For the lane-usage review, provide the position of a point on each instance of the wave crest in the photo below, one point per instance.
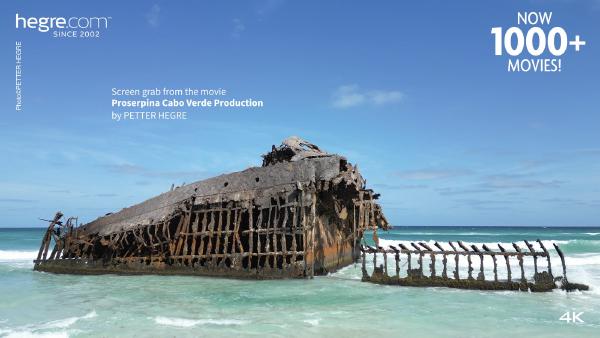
(17, 255)
(185, 322)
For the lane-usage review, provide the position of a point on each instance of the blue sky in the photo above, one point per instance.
(411, 91)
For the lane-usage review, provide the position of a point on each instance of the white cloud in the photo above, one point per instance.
(504, 181)
(238, 28)
(347, 96)
(383, 97)
(431, 174)
(351, 96)
(152, 17)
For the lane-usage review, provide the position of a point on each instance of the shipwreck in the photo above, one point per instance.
(304, 212)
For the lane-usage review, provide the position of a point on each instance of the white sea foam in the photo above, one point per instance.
(313, 322)
(28, 334)
(592, 233)
(47, 329)
(17, 259)
(185, 322)
(583, 259)
(17, 255)
(472, 233)
(67, 322)
(180, 322)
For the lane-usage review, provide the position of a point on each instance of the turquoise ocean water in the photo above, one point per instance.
(42, 304)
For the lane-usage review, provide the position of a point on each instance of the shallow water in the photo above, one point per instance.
(42, 304)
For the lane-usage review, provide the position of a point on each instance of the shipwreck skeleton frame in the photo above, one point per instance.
(541, 281)
(228, 238)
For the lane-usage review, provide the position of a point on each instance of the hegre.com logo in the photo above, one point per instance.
(45, 24)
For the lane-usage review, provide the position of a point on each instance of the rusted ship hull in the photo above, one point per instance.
(303, 213)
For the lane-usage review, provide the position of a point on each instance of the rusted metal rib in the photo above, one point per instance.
(48, 237)
(520, 258)
(485, 247)
(365, 274)
(481, 275)
(427, 247)
(374, 251)
(456, 274)
(431, 256)
(562, 260)
(397, 259)
(444, 260)
(464, 247)
(420, 258)
(384, 260)
(546, 254)
(509, 273)
(535, 258)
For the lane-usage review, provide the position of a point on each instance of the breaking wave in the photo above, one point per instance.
(27, 334)
(185, 322)
(313, 322)
(15, 255)
(55, 328)
(17, 259)
(582, 259)
(67, 322)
